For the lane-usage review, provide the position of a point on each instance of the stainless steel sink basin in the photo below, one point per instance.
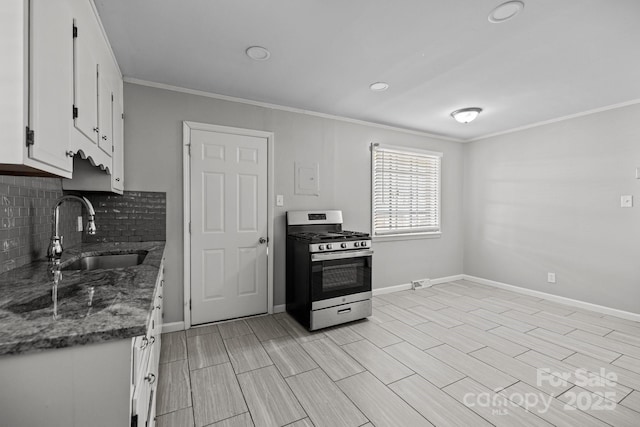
(97, 262)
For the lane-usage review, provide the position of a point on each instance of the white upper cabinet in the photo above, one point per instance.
(37, 87)
(60, 95)
(94, 75)
(85, 80)
(97, 134)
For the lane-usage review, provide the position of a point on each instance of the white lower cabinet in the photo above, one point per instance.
(85, 385)
(146, 362)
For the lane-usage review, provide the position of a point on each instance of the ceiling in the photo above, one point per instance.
(554, 59)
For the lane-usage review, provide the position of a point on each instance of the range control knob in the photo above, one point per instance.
(321, 247)
(343, 245)
(329, 246)
(356, 244)
(363, 243)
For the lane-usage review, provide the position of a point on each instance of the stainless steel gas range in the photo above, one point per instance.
(328, 270)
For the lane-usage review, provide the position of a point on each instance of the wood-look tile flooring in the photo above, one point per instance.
(456, 354)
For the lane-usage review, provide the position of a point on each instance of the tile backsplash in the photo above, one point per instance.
(26, 215)
(26, 212)
(135, 216)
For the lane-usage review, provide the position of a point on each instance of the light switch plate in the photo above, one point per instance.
(279, 200)
(626, 201)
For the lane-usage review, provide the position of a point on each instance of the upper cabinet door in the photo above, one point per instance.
(105, 113)
(117, 171)
(51, 85)
(86, 83)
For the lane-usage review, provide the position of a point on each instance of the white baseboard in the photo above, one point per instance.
(172, 327)
(279, 308)
(407, 286)
(556, 298)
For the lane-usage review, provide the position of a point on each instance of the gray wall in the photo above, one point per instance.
(153, 162)
(547, 199)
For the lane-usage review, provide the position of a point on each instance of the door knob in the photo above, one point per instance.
(262, 240)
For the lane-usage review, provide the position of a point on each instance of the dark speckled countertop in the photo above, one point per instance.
(121, 308)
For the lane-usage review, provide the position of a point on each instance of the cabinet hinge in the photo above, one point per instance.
(30, 137)
(75, 31)
(112, 149)
(75, 112)
(122, 116)
(189, 148)
(189, 227)
(189, 304)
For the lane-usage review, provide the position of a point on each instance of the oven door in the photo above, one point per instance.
(338, 274)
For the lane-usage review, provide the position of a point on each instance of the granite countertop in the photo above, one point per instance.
(121, 307)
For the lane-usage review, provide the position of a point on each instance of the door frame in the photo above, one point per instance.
(187, 127)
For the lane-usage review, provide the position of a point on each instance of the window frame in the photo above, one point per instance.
(406, 235)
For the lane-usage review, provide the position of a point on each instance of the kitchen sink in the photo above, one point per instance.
(97, 262)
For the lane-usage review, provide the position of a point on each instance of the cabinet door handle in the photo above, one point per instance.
(145, 343)
(96, 129)
(158, 307)
(152, 340)
(118, 179)
(151, 378)
(104, 137)
(69, 153)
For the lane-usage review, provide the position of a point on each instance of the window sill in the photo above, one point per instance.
(415, 236)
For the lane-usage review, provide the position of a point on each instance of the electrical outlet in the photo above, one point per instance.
(80, 226)
(551, 277)
(626, 201)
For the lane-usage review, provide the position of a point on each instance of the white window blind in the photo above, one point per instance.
(406, 191)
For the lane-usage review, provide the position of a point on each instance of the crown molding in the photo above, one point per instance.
(556, 120)
(284, 108)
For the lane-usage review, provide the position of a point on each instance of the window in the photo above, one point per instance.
(405, 191)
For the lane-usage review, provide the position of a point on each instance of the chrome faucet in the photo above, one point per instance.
(55, 247)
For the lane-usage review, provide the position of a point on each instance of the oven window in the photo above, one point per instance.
(341, 277)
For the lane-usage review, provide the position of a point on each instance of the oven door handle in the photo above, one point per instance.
(340, 255)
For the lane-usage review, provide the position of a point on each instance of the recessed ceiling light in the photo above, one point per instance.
(258, 53)
(505, 11)
(379, 86)
(466, 115)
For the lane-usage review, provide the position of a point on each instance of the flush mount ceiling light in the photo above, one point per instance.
(466, 115)
(505, 11)
(258, 53)
(379, 86)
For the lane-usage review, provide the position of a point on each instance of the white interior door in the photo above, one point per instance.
(228, 225)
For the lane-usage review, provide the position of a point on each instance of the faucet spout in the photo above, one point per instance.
(55, 248)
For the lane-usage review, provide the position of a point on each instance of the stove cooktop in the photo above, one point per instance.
(329, 236)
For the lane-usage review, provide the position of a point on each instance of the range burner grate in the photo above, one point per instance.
(329, 235)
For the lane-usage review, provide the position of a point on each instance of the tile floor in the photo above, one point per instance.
(456, 354)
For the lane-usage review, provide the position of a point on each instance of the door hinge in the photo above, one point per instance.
(189, 148)
(189, 304)
(30, 137)
(75, 112)
(189, 227)
(112, 149)
(75, 31)
(134, 420)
